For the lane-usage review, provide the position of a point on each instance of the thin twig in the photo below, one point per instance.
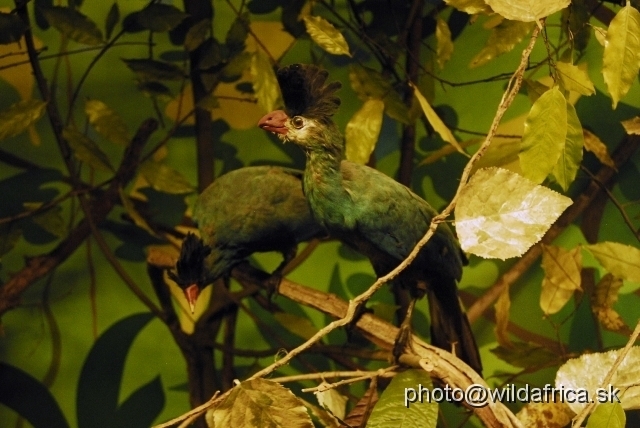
(577, 421)
(386, 372)
(326, 375)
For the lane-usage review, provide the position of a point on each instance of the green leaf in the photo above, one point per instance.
(471, 7)
(527, 10)
(435, 121)
(622, 53)
(153, 89)
(574, 78)
(11, 28)
(112, 19)
(160, 17)
(29, 398)
(259, 403)
(150, 69)
(568, 164)
(107, 122)
(535, 89)
(621, 260)
(300, 326)
(86, 150)
(130, 208)
(9, 236)
(325, 35)
(522, 354)
(607, 415)
(503, 38)
(164, 178)
(368, 83)
(74, 25)
(197, 34)
(393, 408)
(545, 131)
(19, 117)
(363, 129)
(51, 220)
(444, 48)
(265, 83)
(98, 392)
(237, 35)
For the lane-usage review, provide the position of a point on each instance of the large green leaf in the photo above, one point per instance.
(74, 25)
(607, 415)
(101, 375)
(568, 164)
(107, 122)
(545, 131)
(29, 398)
(622, 53)
(19, 117)
(575, 78)
(393, 410)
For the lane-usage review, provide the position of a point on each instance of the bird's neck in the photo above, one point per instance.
(322, 183)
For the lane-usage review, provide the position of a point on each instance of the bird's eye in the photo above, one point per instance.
(297, 121)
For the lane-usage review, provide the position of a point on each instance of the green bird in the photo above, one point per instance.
(370, 211)
(249, 210)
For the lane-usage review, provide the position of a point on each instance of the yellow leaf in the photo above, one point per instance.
(501, 214)
(435, 121)
(589, 370)
(445, 45)
(561, 277)
(363, 129)
(107, 122)
(594, 145)
(574, 78)
(19, 116)
(503, 38)
(333, 401)
(545, 131)
(164, 178)
(622, 53)
(471, 7)
(604, 297)
(326, 35)
(296, 324)
(601, 34)
(550, 414)
(527, 10)
(130, 208)
(632, 126)
(568, 164)
(265, 84)
(502, 306)
(621, 260)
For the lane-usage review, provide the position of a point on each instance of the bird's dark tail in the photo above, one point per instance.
(450, 328)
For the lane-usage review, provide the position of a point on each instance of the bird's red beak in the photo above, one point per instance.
(274, 122)
(191, 293)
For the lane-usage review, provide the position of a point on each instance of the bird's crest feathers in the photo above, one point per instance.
(190, 265)
(306, 93)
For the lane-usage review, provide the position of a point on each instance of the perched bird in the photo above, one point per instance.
(370, 211)
(251, 209)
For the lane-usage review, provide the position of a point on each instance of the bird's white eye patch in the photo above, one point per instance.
(297, 122)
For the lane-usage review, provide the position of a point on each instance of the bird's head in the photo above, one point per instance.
(309, 103)
(191, 273)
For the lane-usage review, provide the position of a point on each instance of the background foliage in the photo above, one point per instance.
(84, 333)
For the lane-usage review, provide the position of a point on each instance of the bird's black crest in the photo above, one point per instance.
(190, 266)
(305, 92)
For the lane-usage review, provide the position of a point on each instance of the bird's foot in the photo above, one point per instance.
(273, 285)
(403, 342)
(350, 328)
